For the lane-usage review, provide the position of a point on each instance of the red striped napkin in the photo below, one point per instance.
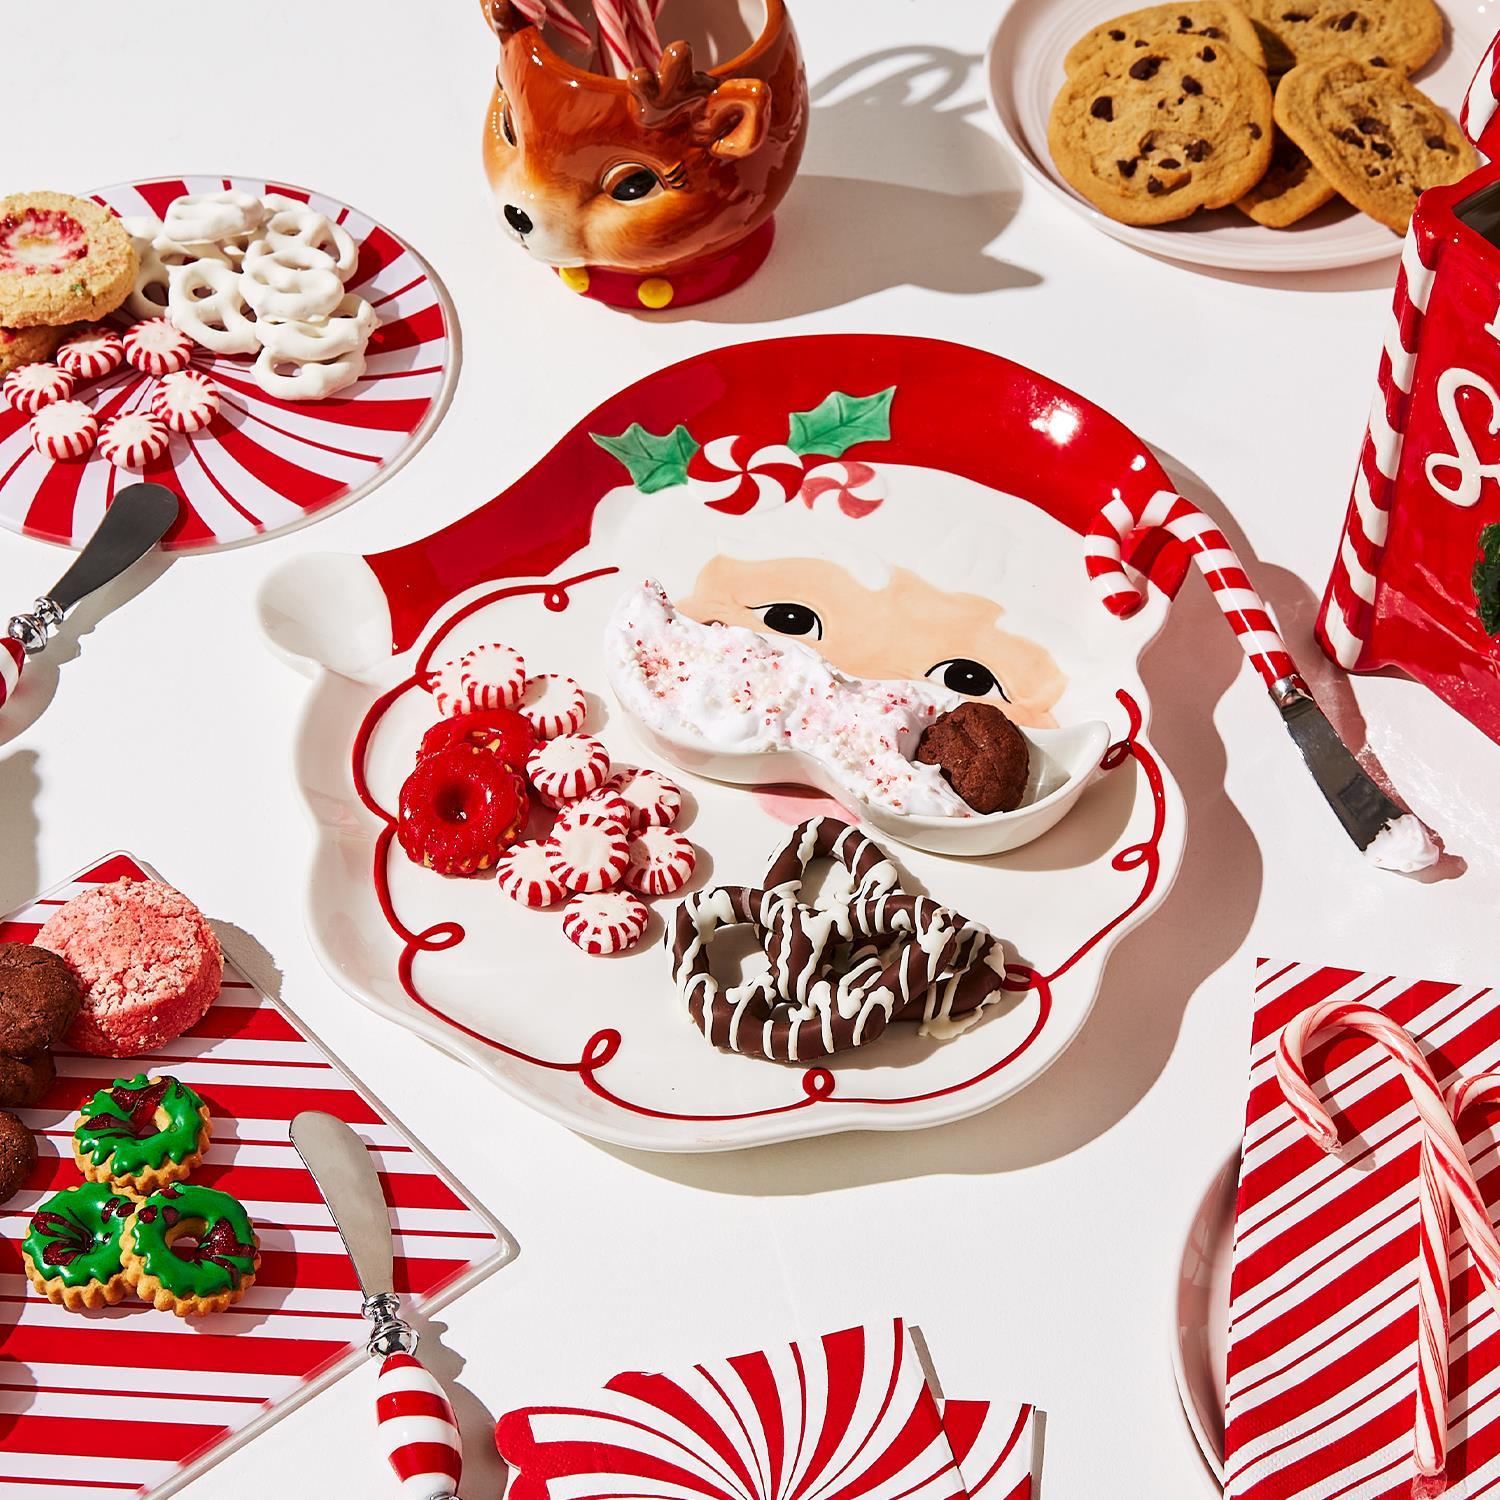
(1323, 1304)
(849, 1415)
(130, 1401)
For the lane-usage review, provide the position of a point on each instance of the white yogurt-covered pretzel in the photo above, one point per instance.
(294, 380)
(290, 282)
(347, 329)
(148, 297)
(205, 300)
(199, 218)
(294, 223)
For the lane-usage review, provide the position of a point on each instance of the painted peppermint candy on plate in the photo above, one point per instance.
(132, 440)
(553, 705)
(661, 861)
(569, 767)
(185, 401)
(64, 431)
(157, 348)
(492, 676)
(91, 354)
(32, 387)
(605, 921)
(654, 799)
(525, 875)
(588, 856)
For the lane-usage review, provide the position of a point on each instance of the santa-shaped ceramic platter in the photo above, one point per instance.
(911, 510)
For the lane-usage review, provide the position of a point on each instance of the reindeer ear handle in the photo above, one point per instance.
(737, 115)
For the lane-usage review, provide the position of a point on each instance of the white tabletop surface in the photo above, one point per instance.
(1035, 1245)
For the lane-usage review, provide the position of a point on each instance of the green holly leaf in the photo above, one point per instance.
(1486, 579)
(655, 462)
(838, 422)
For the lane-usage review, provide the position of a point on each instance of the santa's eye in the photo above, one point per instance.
(630, 183)
(789, 619)
(962, 674)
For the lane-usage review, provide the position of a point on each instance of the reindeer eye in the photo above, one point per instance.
(630, 183)
(507, 129)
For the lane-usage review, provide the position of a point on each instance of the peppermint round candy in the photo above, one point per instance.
(654, 801)
(607, 922)
(588, 856)
(132, 440)
(554, 705)
(185, 401)
(493, 676)
(156, 347)
(661, 861)
(603, 806)
(567, 768)
(92, 353)
(64, 431)
(526, 876)
(31, 387)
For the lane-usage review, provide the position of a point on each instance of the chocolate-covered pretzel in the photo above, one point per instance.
(837, 974)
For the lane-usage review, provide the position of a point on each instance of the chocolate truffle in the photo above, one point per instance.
(17, 1154)
(982, 756)
(23, 1080)
(38, 999)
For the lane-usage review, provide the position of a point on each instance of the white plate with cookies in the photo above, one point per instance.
(1027, 73)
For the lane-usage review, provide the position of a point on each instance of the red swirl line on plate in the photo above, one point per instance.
(818, 1083)
(400, 291)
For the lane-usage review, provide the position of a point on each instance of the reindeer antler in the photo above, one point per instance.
(673, 85)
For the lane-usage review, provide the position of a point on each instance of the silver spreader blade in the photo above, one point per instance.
(346, 1177)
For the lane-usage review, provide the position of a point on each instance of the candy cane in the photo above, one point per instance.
(1216, 559)
(614, 32)
(1446, 1181)
(542, 13)
(647, 44)
(1483, 1088)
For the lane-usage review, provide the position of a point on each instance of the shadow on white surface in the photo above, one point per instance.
(485, 1472)
(42, 673)
(900, 186)
(19, 785)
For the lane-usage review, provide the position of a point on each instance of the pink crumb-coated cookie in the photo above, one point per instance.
(146, 959)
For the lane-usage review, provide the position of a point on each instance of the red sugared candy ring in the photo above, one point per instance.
(501, 731)
(661, 861)
(525, 875)
(654, 801)
(588, 856)
(554, 704)
(567, 768)
(91, 354)
(31, 387)
(606, 922)
(156, 347)
(459, 809)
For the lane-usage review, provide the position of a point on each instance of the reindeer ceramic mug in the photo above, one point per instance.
(652, 189)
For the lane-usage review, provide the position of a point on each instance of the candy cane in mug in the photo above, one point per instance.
(1447, 1182)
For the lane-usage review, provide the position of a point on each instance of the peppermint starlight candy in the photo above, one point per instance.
(609, 922)
(314, 381)
(603, 806)
(31, 387)
(91, 354)
(295, 224)
(492, 676)
(554, 705)
(185, 401)
(207, 218)
(290, 282)
(132, 440)
(346, 330)
(204, 300)
(661, 861)
(587, 857)
(654, 800)
(64, 431)
(157, 348)
(567, 768)
(525, 875)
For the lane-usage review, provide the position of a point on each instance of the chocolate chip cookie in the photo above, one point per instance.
(1212, 20)
(17, 1154)
(1153, 135)
(38, 999)
(1379, 141)
(982, 756)
(1291, 189)
(1400, 34)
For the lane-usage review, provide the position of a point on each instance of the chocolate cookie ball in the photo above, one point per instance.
(17, 1154)
(38, 999)
(23, 1080)
(982, 756)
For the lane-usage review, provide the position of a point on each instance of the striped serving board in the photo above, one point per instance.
(131, 1402)
(1322, 1367)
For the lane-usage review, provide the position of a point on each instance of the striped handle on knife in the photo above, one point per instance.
(12, 664)
(417, 1426)
(1216, 559)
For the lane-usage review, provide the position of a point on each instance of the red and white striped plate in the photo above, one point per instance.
(1322, 1364)
(131, 1402)
(263, 465)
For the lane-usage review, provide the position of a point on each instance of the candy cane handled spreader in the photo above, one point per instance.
(413, 1416)
(1446, 1183)
(135, 522)
(1392, 836)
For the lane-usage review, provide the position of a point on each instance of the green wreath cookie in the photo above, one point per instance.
(190, 1250)
(141, 1133)
(72, 1249)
